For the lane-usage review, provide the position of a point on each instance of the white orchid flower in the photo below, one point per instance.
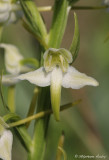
(12, 59)
(106, 2)
(57, 72)
(6, 140)
(7, 11)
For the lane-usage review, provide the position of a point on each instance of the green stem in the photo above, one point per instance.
(11, 98)
(42, 114)
(32, 105)
(89, 7)
(1, 30)
(41, 126)
(49, 8)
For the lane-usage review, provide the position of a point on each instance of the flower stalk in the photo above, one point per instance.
(11, 98)
(50, 8)
(41, 114)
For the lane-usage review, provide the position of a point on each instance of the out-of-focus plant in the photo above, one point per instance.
(53, 70)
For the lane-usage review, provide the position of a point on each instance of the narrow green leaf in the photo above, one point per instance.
(30, 61)
(74, 48)
(59, 22)
(34, 19)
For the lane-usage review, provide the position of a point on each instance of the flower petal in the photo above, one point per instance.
(38, 77)
(9, 80)
(12, 58)
(4, 17)
(6, 145)
(75, 80)
(55, 88)
(4, 7)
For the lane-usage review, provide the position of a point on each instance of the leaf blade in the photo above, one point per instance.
(59, 23)
(34, 20)
(74, 48)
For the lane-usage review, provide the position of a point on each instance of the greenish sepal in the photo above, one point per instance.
(30, 61)
(57, 57)
(59, 22)
(34, 19)
(74, 48)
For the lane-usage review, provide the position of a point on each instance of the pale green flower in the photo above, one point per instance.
(56, 73)
(12, 59)
(8, 11)
(6, 140)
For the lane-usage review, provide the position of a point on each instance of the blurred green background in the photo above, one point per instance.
(86, 126)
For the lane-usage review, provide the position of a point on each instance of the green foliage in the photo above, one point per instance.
(34, 21)
(74, 48)
(59, 22)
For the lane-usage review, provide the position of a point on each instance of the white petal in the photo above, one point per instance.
(6, 145)
(75, 80)
(38, 77)
(56, 81)
(4, 17)
(4, 7)
(9, 80)
(106, 2)
(12, 58)
(12, 18)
